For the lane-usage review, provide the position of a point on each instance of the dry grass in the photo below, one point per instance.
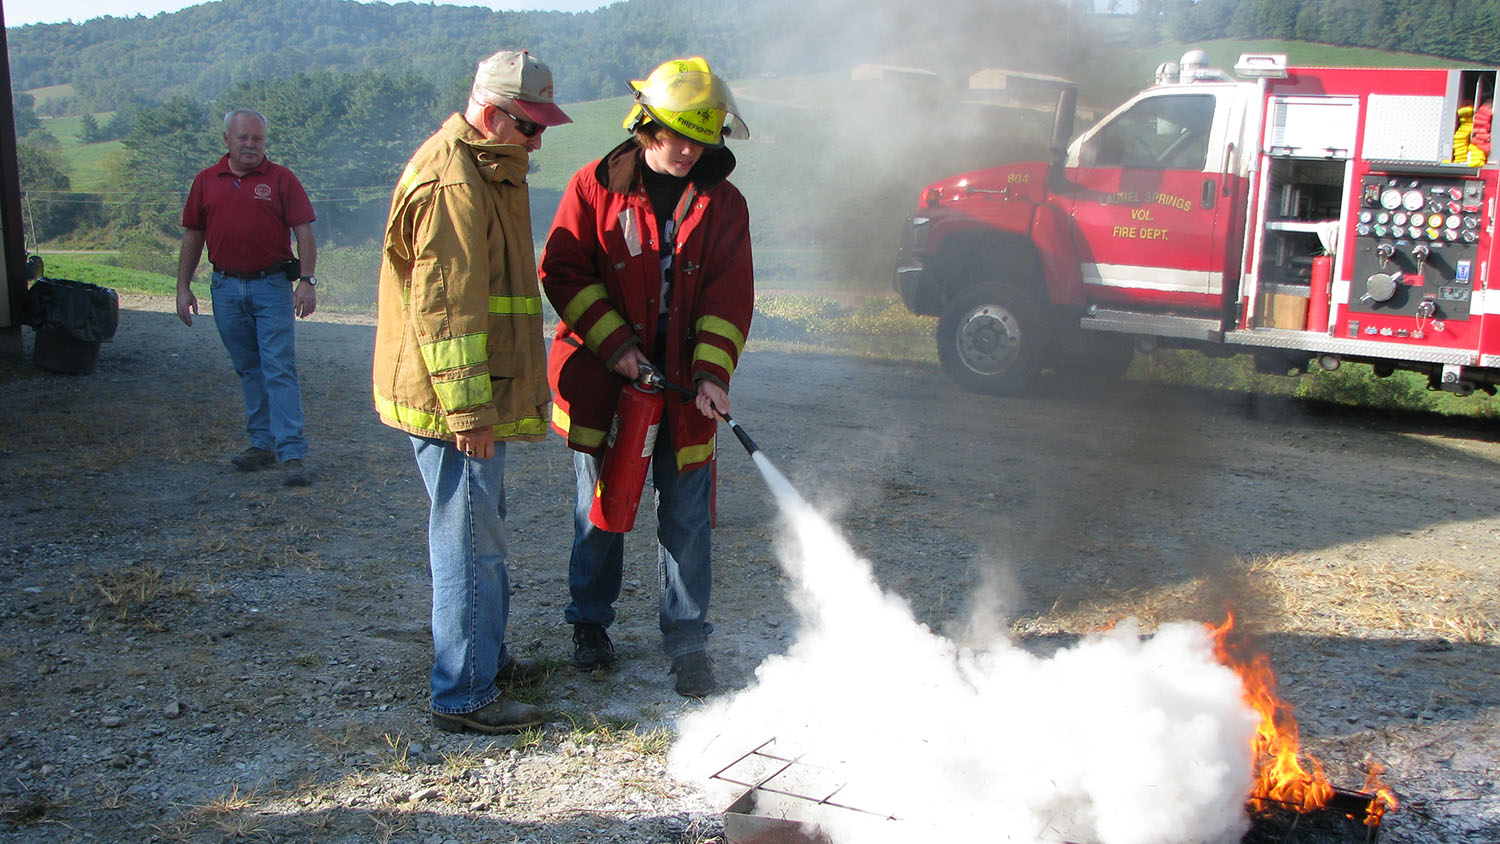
(1297, 593)
(1337, 597)
(396, 757)
(627, 735)
(127, 593)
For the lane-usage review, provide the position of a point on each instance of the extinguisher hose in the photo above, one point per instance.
(651, 377)
(744, 438)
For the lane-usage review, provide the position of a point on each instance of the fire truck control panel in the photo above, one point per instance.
(1302, 215)
(1417, 246)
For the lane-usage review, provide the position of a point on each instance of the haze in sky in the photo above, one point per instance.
(22, 12)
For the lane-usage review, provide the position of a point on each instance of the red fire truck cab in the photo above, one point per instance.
(1303, 215)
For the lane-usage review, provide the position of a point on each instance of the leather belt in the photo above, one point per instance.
(271, 270)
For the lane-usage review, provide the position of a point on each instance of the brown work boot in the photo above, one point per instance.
(253, 458)
(501, 715)
(519, 672)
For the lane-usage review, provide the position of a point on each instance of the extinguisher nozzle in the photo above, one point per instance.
(739, 432)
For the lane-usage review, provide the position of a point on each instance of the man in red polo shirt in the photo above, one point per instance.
(242, 208)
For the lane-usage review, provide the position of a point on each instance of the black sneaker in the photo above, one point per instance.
(296, 475)
(501, 715)
(695, 674)
(592, 647)
(253, 458)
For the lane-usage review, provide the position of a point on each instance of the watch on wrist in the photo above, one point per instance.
(313, 282)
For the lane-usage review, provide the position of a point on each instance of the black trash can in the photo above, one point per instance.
(71, 319)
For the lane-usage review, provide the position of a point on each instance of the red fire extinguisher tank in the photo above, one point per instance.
(1317, 306)
(627, 458)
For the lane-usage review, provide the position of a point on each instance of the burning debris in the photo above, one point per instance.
(873, 728)
(1291, 802)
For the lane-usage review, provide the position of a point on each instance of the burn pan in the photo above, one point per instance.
(1342, 821)
(779, 786)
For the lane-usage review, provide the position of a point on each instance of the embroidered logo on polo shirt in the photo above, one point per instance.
(262, 191)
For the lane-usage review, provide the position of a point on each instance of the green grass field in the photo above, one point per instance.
(95, 269)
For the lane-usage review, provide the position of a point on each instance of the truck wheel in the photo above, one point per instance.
(990, 339)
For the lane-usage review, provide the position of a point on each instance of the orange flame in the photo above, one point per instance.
(1384, 799)
(1280, 775)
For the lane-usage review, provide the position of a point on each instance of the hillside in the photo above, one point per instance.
(203, 50)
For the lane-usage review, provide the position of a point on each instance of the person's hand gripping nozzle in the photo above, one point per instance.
(650, 377)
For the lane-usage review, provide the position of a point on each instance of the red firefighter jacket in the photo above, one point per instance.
(601, 269)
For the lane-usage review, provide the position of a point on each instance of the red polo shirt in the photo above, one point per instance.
(247, 219)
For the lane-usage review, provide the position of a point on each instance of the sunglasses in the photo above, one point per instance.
(528, 128)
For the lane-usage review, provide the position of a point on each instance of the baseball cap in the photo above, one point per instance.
(526, 80)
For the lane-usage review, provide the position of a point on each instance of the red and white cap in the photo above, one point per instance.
(525, 79)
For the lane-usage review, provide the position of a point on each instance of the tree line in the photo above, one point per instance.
(1467, 30)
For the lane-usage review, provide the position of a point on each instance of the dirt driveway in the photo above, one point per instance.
(194, 654)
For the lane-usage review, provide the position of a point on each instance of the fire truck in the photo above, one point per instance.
(1303, 215)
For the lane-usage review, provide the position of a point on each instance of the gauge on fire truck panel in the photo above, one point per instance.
(1413, 200)
(1435, 220)
(1390, 199)
(1399, 218)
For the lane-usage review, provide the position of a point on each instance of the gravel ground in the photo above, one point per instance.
(194, 654)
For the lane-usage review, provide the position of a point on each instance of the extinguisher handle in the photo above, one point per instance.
(652, 377)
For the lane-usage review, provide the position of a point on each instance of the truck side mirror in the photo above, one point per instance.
(1088, 154)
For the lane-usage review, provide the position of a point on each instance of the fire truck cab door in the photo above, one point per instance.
(1148, 199)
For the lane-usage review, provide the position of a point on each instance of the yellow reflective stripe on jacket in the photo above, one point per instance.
(526, 305)
(462, 393)
(410, 178)
(525, 426)
(468, 350)
(583, 435)
(581, 302)
(709, 324)
(410, 416)
(688, 455)
(607, 325)
(714, 355)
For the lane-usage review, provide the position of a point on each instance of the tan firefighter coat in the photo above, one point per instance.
(459, 340)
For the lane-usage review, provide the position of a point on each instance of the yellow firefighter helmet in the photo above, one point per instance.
(685, 96)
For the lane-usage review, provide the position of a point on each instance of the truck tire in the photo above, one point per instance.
(990, 339)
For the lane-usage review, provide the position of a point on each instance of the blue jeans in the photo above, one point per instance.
(684, 567)
(255, 322)
(470, 583)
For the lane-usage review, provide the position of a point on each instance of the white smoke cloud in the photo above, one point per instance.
(1119, 739)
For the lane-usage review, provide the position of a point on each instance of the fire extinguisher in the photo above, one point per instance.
(1317, 306)
(627, 457)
